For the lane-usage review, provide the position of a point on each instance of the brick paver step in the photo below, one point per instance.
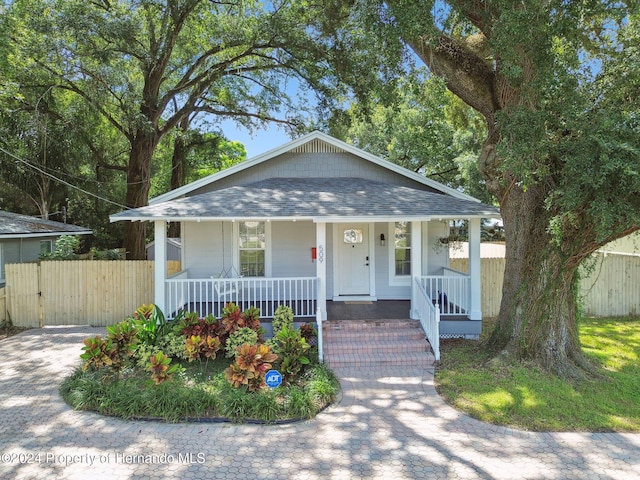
(422, 359)
(376, 343)
(390, 347)
(372, 337)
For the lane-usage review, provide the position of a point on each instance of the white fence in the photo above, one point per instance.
(209, 296)
(428, 314)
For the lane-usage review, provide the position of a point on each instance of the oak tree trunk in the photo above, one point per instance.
(138, 182)
(177, 175)
(539, 311)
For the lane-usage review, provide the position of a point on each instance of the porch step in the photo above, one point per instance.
(376, 343)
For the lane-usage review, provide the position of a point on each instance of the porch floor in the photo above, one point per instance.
(378, 310)
(349, 310)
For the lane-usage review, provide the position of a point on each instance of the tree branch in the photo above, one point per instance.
(232, 113)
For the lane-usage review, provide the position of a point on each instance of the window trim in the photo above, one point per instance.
(267, 247)
(51, 245)
(397, 280)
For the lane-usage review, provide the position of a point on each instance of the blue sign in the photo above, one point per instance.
(273, 378)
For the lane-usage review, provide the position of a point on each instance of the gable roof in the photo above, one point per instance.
(317, 199)
(310, 140)
(14, 225)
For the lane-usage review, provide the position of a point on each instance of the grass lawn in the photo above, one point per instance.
(523, 396)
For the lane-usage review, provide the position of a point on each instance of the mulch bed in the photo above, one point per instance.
(10, 330)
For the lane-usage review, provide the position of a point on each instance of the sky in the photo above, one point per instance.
(260, 141)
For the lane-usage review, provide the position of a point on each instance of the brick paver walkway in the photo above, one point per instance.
(389, 425)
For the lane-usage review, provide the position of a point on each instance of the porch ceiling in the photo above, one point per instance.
(313, 199)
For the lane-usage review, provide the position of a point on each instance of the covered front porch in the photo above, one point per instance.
(442, 298)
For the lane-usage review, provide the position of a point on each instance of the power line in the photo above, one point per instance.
(64, 182)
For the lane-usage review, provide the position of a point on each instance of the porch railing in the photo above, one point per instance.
(428, 315)
(210, 295)
(451, 291)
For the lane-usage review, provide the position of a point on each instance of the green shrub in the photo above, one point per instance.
(309, 333)
(197, 347)
(241, 336)
(124, 336)
(151, 324)
(282, 318)
(84, 390)
(321, 384)
(251, 365)
(291, 349)
(65, 249)
(172, 345)
(161, 368)
(99, 352)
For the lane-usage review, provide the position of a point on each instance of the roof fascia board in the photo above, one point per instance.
(208, 219)
(178, 192)
(398, 218)
(331, 219)
(40, 235)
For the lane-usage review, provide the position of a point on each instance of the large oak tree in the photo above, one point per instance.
(558, 84)
(146, 66)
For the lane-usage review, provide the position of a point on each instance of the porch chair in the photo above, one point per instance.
(225, 290)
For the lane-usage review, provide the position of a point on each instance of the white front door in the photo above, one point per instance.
(354, 259)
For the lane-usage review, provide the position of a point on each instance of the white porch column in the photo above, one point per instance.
(416, 261)
(160, 264)
(475, 304)
(321, 268)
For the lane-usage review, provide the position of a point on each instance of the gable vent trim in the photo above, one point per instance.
(317, 146)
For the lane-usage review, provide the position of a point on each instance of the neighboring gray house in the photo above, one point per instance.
(174, 249)
(24, 238)
(313, 221)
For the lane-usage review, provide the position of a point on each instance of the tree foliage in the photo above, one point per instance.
(425, 129)
(557, 85)
(146, 66)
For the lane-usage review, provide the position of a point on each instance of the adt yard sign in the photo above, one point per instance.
(273, 379)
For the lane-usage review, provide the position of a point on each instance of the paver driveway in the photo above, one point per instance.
(389, 425)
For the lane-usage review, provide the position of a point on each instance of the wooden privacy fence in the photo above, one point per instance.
(104, 292)
(3, 304)
(90, 292)
(491, 282)
(611, 288)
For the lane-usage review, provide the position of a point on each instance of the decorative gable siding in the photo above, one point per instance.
(314, 165)
(317, 146)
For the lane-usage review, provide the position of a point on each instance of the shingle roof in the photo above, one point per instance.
(16, 225)
(313, 198)
(313, 140)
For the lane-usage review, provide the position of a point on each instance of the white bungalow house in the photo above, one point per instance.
(316, 221)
